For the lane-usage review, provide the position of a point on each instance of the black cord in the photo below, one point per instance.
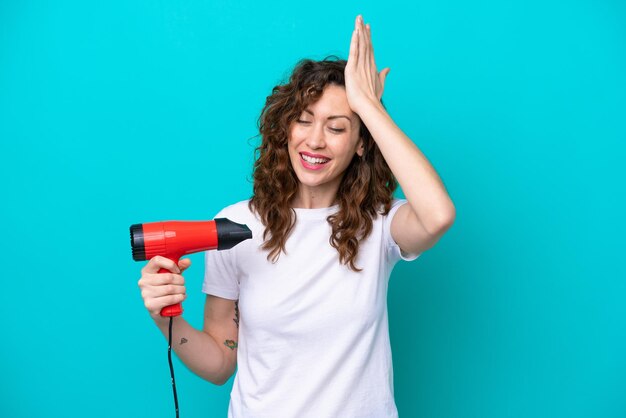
(169, 359)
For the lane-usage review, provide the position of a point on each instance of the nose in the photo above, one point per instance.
(316, 138)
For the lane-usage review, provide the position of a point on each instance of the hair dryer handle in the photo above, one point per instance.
(172, 310)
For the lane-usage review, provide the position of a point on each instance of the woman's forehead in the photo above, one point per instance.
(332, 101)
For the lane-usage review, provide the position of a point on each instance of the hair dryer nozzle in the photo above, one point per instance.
(137, 243)
(230, 233)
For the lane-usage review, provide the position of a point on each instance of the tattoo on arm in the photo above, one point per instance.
(183, 340)
(236, 319)
(230, 344)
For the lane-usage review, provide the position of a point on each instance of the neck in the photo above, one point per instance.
(315, 197)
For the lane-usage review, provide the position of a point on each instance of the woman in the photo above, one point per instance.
(311, 286)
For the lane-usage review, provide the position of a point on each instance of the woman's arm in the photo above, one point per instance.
(430, 212)
(201, 351)
(212, 352)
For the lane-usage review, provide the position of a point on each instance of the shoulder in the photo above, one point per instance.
(395, 205)
(238, 212)
(384, 220)
(387, 219)
(235, 208)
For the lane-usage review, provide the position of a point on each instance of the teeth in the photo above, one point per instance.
(314, 160)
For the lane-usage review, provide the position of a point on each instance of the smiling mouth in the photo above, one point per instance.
(314, 160)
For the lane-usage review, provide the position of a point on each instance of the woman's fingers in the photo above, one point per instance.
(372, 71)
(366, 60)
(164, 290)
(368, 43)
(154, 305)
(159, 290)
(161, 279)
(383, 76)
(354, 48)
(362, 42)
(361, 69)
(184, 264)
(158, 262)
(370, 48)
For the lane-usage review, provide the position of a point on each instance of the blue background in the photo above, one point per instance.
(119, 112)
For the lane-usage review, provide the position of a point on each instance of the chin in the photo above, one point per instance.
(310, 181)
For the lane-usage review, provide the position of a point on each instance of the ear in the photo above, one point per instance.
(360, 149)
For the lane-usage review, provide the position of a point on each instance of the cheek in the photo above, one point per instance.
(292, 145)
(292, 136)
(297, 133)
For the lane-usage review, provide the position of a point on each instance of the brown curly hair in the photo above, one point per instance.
(367, 185)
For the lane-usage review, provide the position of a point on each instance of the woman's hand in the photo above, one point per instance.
(159, 290)
(364, 84)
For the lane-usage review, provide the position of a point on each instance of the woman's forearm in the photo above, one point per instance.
(197, 350)
(420, 182)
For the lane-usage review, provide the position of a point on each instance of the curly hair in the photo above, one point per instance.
(367, 185)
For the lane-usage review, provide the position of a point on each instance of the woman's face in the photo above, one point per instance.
(323, 140)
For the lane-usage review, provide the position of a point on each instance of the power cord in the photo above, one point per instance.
(169, 359)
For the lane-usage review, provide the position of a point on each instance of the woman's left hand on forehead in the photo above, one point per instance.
(363, 81)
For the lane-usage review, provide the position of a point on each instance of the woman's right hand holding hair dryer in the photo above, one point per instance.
(159, 290)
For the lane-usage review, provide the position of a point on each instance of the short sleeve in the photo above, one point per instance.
(221, 276)
(394, 253)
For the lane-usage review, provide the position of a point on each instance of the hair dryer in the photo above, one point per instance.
(173, 239)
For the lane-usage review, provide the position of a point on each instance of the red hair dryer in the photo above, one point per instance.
(174, 239)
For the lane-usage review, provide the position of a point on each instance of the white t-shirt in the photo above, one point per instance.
(313, 334)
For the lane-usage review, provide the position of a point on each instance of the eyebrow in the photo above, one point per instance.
(331, 117)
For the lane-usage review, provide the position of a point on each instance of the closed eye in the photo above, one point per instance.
(334, 130)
